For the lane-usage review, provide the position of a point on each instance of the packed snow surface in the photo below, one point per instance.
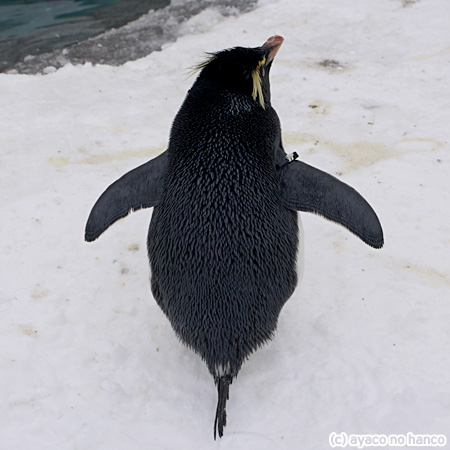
(88, 360)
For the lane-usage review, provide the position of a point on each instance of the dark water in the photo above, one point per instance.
(33, 27)
(36, 36)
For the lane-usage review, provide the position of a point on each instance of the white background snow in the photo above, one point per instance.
(87, 359)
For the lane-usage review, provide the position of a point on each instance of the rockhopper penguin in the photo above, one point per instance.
(223, 238)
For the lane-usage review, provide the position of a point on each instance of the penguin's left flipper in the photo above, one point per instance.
(305, 188)
(139, 188)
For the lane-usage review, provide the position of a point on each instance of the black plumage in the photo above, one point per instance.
(222, 247)
(223, 238)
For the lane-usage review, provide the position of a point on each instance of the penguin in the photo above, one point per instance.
(224, 234)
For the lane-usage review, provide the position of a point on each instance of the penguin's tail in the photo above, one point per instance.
(223, 384)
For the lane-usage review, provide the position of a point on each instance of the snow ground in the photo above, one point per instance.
(88, 361)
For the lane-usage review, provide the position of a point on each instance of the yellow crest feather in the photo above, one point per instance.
(257, 83)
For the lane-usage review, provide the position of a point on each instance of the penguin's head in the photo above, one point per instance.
(243, 70)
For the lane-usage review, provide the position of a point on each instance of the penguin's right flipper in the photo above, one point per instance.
(139, 188)
(305, 188)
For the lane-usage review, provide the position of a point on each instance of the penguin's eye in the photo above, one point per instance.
(257, 82)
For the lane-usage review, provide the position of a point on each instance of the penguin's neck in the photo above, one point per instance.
(236, 101)
(217, 124)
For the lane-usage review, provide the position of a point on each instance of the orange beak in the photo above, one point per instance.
(274, 44)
